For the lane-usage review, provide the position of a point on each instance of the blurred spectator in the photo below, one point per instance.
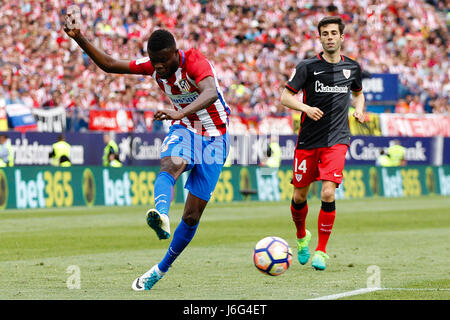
(416, 106)
(396, 153)
(254, 45)
(402, 106)
(54, 101)
(14, 98)
(383, 160)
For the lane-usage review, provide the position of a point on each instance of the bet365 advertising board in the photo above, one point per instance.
(50, 187)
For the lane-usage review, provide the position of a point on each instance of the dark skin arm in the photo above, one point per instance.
(207, 87)
(208, 95)
(100, 58)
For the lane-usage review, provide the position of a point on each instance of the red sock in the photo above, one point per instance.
(325, 224)
(299, 212)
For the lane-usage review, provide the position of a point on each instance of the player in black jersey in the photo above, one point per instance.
(326, 81)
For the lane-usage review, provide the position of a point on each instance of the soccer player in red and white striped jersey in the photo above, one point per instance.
(197, 140)
(182, 89)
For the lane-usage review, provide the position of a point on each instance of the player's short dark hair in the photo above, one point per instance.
(159, 40)
(329, 20)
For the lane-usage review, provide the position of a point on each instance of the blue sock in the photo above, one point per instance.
(182, 236)
(163, 192)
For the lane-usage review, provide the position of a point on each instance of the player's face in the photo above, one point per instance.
(331, 38)
(165, 62)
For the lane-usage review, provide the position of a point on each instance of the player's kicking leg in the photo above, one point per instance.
(200, 183)
(159, 222)
(182, 236)
(158, 217)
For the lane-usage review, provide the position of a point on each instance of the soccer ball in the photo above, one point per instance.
(272, 256)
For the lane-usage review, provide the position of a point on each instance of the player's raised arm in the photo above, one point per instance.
(100, 58)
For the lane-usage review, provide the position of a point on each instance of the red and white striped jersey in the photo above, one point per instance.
(182, 89)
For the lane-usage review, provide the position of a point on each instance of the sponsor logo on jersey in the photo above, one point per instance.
(320, 87)
(185, 98)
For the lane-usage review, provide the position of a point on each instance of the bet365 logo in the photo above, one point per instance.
(44, 189)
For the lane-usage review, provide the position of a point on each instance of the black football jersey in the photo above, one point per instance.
(326, 86)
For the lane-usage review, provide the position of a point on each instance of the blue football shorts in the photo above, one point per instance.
(204, 155)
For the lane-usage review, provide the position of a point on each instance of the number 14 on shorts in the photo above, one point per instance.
(301, 167)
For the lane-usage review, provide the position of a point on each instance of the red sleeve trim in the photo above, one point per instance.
(291, 89)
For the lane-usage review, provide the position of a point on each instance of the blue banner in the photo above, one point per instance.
(364, 150)
(381, 87)
(139, 149)
(446, 151)
(33, 148)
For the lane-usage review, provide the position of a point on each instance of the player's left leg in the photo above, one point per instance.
(182, 236)
(158, 217)
(176, 157)
(325, 224)
(331, 167)
(201, 183)
(185, 231)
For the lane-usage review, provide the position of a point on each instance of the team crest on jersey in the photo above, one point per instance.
(347, 73)
(298, 177)
(184, 85)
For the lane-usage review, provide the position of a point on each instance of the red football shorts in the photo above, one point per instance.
(319, 164)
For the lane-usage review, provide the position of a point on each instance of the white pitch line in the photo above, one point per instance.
(367, 290)
(417, 289)
(347, 294)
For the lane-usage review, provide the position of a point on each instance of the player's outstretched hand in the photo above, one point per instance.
(359, 116)
(314, 113)
(72, 21)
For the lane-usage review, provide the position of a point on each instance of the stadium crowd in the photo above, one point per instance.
(254, 46)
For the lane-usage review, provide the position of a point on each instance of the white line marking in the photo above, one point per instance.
(367, 290)
(347, 294)
(417, 289)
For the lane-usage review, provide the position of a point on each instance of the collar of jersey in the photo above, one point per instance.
(319, 55)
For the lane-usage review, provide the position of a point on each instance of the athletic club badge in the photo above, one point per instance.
(298, 177)
(184, 85)
(346, 73)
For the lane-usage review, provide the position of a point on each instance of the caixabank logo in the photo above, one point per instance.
(3, 190)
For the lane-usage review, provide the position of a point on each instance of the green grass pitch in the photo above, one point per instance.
(407, 239)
